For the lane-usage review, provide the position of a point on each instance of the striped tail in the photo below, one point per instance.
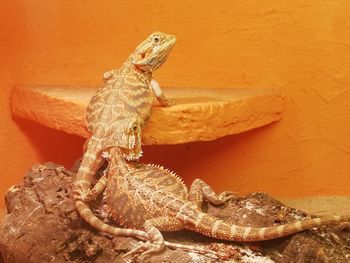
(91, 162)
(86, 213)
(213, 227)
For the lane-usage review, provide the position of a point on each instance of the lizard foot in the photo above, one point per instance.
(225, 251)
(167, 102)
(82, 195)
(143, 250)
(88, 197)
(198, 250)
(227, 196)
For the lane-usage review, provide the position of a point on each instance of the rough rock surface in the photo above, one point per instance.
(43, 226)
(195, 111)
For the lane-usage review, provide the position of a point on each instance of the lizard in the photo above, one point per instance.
(153, 199)
(126, 98)
(132, 135)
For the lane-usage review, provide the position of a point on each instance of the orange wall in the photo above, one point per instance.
(300, 47)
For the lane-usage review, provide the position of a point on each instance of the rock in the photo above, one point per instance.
(42, 225)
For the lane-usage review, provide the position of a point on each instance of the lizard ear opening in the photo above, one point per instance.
(142, 59)
(141, 62)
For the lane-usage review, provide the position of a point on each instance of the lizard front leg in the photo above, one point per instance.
(164, 101)
(83, 182)
(97, 189)
(108, 75)
(199, 190)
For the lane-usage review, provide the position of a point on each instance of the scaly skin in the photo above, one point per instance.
(131, 136)
(120, 109)
(153, 199)
(90, 218)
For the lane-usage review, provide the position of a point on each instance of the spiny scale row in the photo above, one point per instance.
(165, 169)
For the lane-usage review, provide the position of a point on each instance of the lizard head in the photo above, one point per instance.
(129, 139)
(153, 51)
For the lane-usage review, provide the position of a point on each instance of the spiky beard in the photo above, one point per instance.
(133, 153)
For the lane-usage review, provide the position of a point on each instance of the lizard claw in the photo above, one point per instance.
(227, 196)
(87, 197)
(82, 196)
(137, 250)
(108, 75)
(167, 102)
(164, 101)
(143, 250)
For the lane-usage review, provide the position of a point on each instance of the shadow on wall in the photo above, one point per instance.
(213, 161)
(62, 148)
(51, 145)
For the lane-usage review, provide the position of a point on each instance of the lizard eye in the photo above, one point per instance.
(143, 55)
(156, 39)
(134, 128)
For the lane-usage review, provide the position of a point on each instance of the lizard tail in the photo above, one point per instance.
(213, 227)
(86, 213)
(90, 164)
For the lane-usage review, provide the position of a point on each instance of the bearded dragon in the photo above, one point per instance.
(152, 198)
(130, 134)
(126, 98)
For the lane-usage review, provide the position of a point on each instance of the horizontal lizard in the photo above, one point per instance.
(126, 98)
(152, 198)
(94, 221)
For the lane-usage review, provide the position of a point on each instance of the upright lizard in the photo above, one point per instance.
(125, 99)
(153, 199)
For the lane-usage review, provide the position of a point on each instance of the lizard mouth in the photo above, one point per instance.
(130, 155)
(133, 152)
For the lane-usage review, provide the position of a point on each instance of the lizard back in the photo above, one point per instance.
(125, 96)
(135, 197)
(138, 193)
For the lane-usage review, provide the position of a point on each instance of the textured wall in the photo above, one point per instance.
(299, 47)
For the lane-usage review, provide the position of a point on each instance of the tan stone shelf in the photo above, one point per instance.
(199, 114)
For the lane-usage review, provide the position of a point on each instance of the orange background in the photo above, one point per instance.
(299, 47)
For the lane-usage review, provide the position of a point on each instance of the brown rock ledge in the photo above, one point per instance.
(199, 114)
(43, 226)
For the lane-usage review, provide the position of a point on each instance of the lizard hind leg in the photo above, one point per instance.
(199, 190)
(96, 190)
(156, 243)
